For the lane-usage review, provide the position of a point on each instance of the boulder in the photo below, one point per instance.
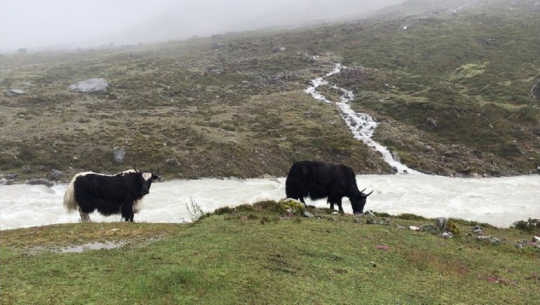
(40, 182)
(92, 85)
(55, 175)
(13, 92)
(119, 154)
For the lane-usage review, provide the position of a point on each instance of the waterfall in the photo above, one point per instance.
(361, 125)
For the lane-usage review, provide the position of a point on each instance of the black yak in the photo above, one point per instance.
(109, 194)
(320, 180)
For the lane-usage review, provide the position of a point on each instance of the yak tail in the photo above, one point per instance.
(69, 197)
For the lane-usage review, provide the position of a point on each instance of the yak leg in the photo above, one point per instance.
(127, 211)
(331, 205)
(85, 217)
(335, 200)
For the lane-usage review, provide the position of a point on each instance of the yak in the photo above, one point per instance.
(108, 194)
(318, 180)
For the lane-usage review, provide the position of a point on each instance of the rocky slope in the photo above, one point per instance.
(451, 92)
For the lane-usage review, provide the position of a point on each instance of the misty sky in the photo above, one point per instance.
(88, 23)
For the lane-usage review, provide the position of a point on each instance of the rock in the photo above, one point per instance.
(291, 206)
(307, 214)
(495, 241)
(431, 123)
(92, 85)
(447, 235)
(40, 182)
(414, 228)
(535, 91)
(118, 155)
(370, 221)
(536, 239)
(478, 230)
(369, 213)
(441, 223)
(26, 169)
(11, 176)
(278, 49)
(55, 175)
(13, 92)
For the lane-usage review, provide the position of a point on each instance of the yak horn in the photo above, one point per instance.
(369, 193)
(362, 190)
(135, 168)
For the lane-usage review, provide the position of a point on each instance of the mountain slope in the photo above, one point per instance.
(451, 94)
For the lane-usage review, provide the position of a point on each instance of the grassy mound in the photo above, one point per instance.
(260, 254)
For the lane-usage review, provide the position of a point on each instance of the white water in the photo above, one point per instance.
(498, 201)
(362, 125)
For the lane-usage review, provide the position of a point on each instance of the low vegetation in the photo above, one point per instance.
(267, 253)
(450, 90)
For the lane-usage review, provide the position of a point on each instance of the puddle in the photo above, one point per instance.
(78, 249)
(90, 246)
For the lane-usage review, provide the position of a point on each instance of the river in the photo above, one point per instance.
(497, 201)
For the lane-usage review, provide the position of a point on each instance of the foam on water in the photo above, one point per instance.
(498, 201)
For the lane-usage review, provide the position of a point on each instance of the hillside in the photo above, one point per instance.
(451, 93)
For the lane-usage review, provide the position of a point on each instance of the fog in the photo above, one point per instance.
(38, 24)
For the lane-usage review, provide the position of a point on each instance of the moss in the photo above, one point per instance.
(452, 227)
(291, 207)
(469, 71)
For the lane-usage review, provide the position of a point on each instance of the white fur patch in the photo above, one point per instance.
(129, 171)
(137, 205)
(147, 176)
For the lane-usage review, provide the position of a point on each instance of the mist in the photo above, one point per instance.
(56, 24)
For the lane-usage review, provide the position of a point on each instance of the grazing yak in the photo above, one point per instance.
(109, 194)
(320, 180)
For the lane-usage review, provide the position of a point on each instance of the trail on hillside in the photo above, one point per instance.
(362, 125)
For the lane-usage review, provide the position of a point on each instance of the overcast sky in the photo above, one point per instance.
(85, 23)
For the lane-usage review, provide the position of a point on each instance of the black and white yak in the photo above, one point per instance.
(108, 194)
(318, 180)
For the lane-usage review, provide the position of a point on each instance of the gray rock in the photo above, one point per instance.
(40, 182)
(535, 91)
(11, 176)
(495, 241)
(441, 223)
(13, 92)
(447, 235)
(26, 169)
(278, 49)
(432, 123)
(119, 154)
(55, 175)
(92, 85)
(369, 213)
(308, 214)
(478, 230)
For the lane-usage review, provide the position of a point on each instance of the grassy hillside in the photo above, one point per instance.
(451, 92)
(257, 255)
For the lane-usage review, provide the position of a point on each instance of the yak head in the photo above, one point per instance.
(145, 180)
(358, 202)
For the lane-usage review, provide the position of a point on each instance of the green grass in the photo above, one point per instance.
(253, 255)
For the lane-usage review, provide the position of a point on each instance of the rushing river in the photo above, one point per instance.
(498, 201)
